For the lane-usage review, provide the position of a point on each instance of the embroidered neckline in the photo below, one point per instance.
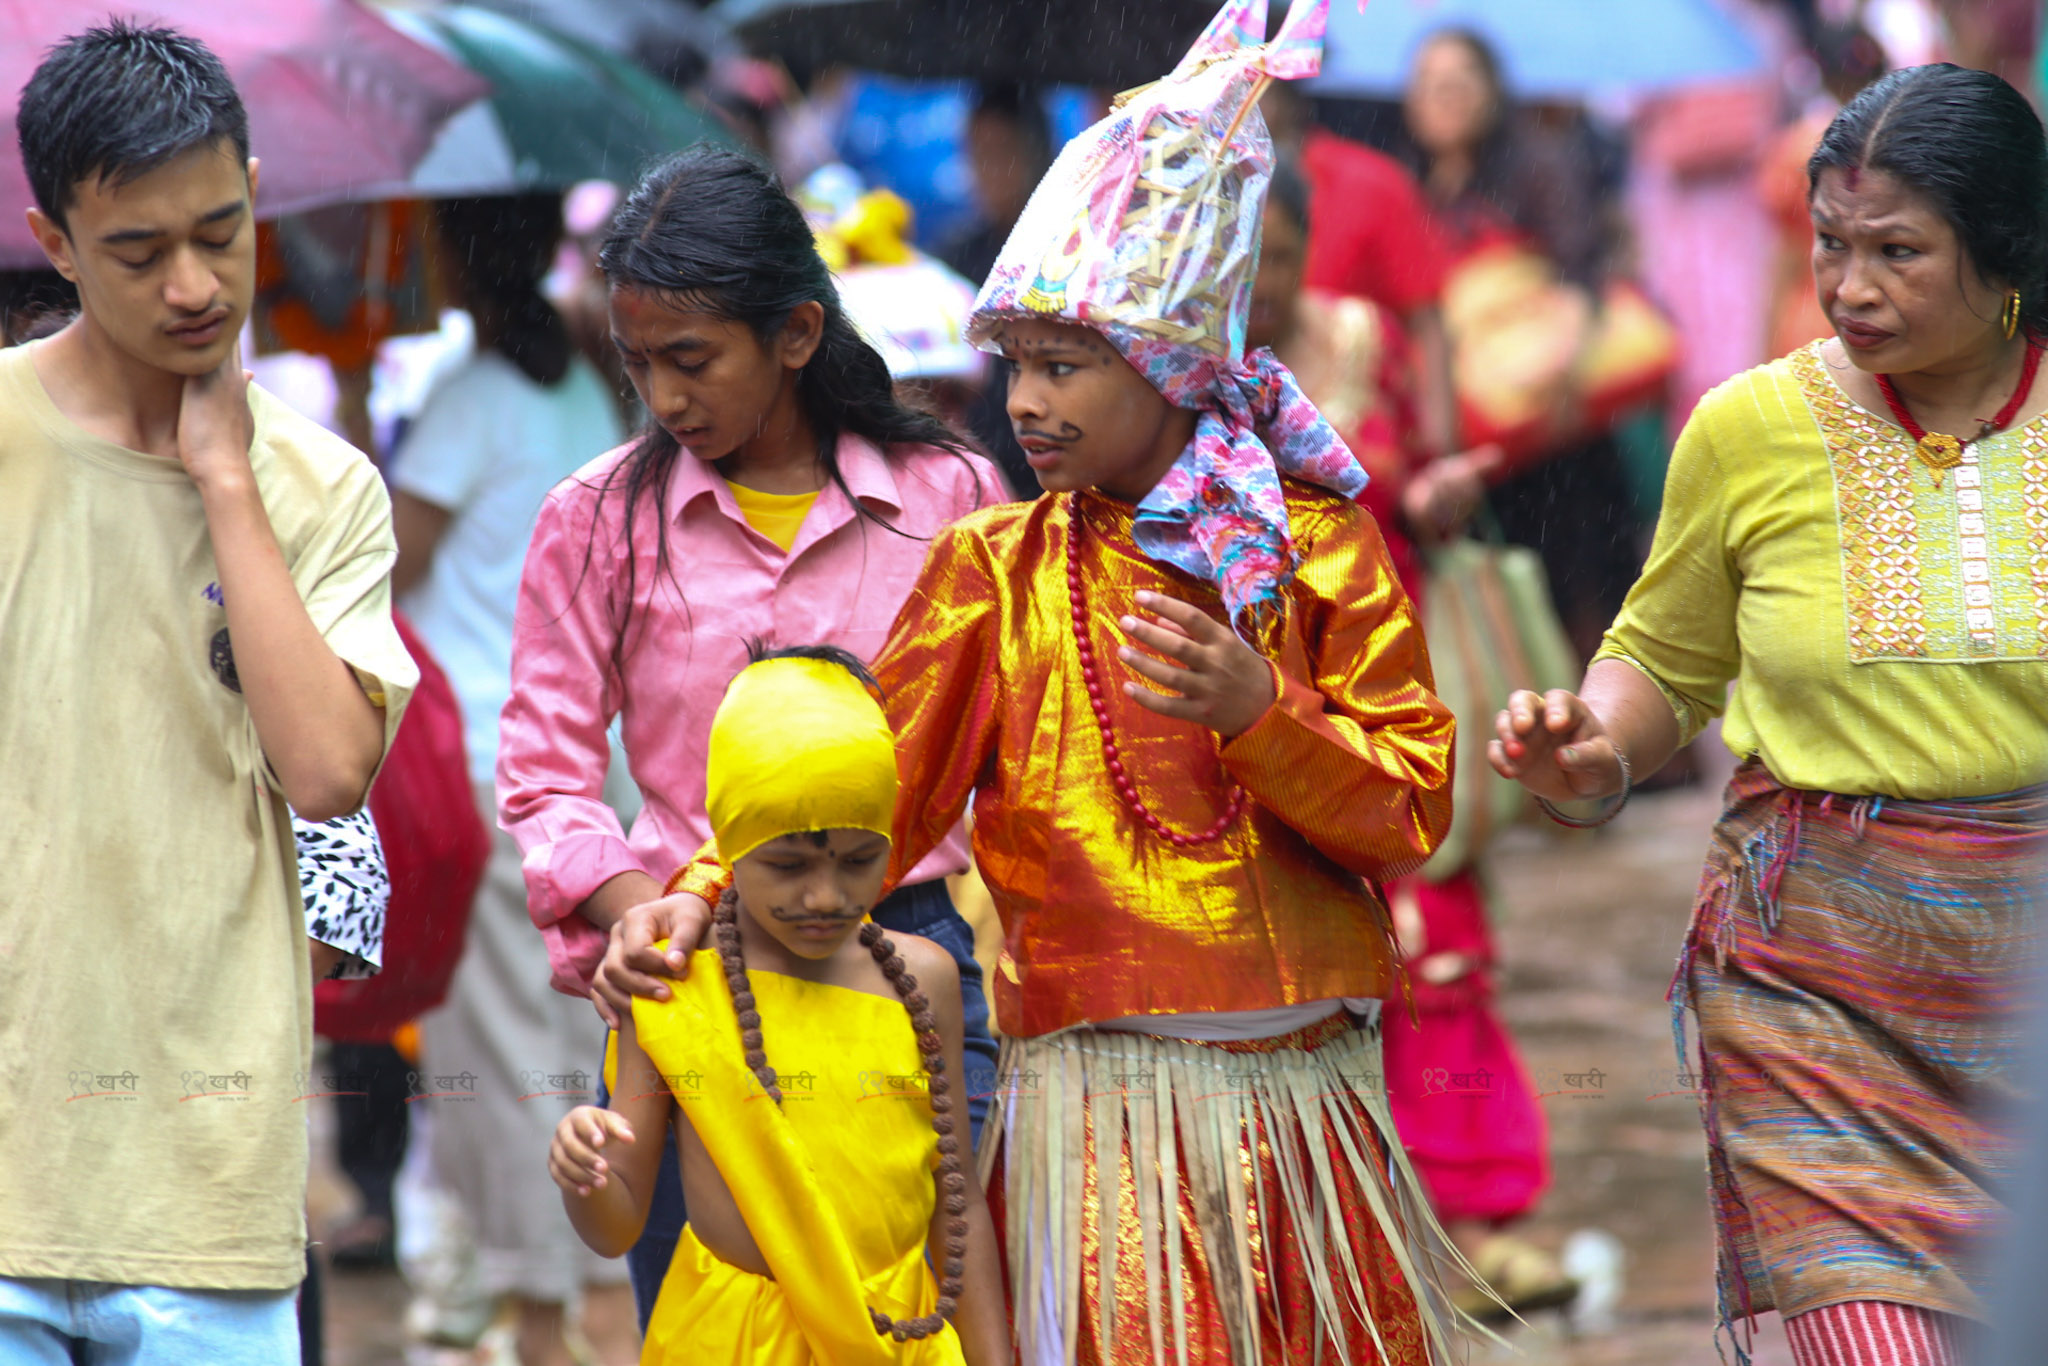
(1815, 374)
(1927, 570)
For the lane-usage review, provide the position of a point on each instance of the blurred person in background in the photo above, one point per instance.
(1009, 145)
(794, 124)
(1350, 356)
(1483, 1158)
(1847, 59)
(34, 304)
(1699, 235)
(1380, 246)
(468, 480)
(1492, 184)
(743, 92)
(575, 286)
(1999, 36)
(1849, 540)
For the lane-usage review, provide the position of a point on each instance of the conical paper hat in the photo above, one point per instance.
(1147, 226)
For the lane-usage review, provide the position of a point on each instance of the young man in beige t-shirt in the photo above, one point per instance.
(195, 630)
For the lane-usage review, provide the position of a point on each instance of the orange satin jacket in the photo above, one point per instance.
(1349, 771)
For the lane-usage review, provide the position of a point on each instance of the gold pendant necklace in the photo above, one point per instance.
(1939, 451)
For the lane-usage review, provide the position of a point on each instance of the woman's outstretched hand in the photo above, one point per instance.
(1445, 493)
(1555, 746)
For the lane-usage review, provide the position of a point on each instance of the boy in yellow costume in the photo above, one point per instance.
(814, 1183)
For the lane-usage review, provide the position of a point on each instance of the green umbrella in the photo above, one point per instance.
(560, 110)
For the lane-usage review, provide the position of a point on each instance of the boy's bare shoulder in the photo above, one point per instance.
(936, 972)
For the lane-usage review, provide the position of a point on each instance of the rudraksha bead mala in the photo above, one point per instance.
(952, 1183)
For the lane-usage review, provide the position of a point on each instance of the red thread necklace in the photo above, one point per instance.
(1939, 451)
(1077, 599)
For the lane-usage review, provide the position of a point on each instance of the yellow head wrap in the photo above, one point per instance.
(797, 745)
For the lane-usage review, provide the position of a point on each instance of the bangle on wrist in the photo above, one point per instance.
(1592, 822)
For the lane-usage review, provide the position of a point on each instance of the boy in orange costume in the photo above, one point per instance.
(1190, 1146)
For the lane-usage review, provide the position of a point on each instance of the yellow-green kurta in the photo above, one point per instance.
(835, 1185)
(1888, 634)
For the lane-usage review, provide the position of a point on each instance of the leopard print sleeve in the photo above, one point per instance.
(346, 889)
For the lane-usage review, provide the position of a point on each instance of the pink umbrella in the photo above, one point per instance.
(337, 98)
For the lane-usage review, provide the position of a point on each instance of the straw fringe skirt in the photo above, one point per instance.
(1169, 1201)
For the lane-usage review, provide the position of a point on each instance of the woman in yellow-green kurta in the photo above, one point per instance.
(806, 1071)
(1877, 591)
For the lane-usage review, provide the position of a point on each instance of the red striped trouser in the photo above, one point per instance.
(1874, 1333)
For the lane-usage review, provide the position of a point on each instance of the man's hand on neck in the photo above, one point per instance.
(215, 424)
(204, 420)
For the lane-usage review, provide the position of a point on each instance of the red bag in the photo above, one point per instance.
(435, 845)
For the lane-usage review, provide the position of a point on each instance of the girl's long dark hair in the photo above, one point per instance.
(506, 244)
(712, 229)
(1974, 147)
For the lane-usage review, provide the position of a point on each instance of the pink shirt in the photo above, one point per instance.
(841, 583)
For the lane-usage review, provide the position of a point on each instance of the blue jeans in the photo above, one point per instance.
(922, 908)
(91, 1323)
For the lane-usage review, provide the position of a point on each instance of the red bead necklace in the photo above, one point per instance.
(1939, 451)
(1077, 599)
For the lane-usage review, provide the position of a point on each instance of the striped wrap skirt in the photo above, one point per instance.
(1854, 967)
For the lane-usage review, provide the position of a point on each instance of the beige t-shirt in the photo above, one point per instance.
(155, 1012)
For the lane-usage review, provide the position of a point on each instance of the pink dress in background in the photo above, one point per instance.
(1462, 1101)
(1704, 242)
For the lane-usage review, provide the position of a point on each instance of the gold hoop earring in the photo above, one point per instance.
(2011, 318)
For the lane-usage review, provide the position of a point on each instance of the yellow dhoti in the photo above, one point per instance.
(711, 1311)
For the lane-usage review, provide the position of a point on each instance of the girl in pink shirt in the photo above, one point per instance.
(781, 493)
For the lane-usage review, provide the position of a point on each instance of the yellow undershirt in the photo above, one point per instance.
(778, 516)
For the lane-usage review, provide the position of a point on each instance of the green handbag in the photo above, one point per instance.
(1487, 615)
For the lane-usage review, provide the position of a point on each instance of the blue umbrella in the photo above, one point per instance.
(1549, 48)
